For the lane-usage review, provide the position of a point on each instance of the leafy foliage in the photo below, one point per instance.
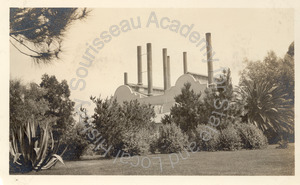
(60, 104)
(230, 138)
(24, 101)
(75, 142)
(268, 86)
(221, 107)
(213, 142)
(42, 29)
(122, 126)
(252, 137)
(268, 107)
(186, 113)
(136, 143)
(273, 69)
(49, 100)
(171, 139)
(49, 103)
(32, 148)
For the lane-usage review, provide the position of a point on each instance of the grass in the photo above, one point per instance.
(269, 161)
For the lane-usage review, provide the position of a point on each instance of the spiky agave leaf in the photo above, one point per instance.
(53, 161)
(29, 146)
(43, 148)
(14, 152)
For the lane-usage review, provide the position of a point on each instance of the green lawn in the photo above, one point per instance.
(268, 161)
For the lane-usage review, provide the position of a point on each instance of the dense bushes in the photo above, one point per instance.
(171, 139)
(188, 110)
(233, 137)
(213, 142)
(125, 127)
(75, 142)
(139, 142)
(230, 138)
(49, 104)
(251, 136)
(267, 89)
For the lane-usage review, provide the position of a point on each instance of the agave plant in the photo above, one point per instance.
(268, 107)
(32, 147)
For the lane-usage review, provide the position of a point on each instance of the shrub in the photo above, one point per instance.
(208, 142)
(125, 127)
(89, 151)
(75, 142)
(32, 147)
(171, 139)
(251, 136)
(140, 142)
(185, 113)
(282, 144)
(230, 138)
(153, 137)
(192, 135)
(136, 142)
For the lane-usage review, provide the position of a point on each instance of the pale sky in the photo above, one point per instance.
(236, 34)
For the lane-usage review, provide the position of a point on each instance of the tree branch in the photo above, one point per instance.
(22, 51)
(25, 45)
(21, 31)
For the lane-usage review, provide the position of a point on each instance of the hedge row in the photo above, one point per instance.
(234, 137)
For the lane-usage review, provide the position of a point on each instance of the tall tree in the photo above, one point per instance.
(217, 108)
(117, 124)
(26, 101)
(287, 76)
(268, 88)
(275, 70)
(268, 107)
(186, 113)
(220, 102)
(60, 104)
(38, 32)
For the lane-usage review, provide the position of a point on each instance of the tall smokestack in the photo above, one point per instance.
(139, 65)
(209, 58)
(125, 78)
(169, 73)
(184, 63)
(165, 68)
(149, 69)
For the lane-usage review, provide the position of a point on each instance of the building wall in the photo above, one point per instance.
(162, 103)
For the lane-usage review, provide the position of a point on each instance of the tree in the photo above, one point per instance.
(49, 100)
(274, 69)
(47, 103)
(60, 105)
(186, 113)
(38, 32)
(287, 76)
(220, 102)
(268, 107)
(26, 101)
(218, 106)
(119, 125)
(268, 88)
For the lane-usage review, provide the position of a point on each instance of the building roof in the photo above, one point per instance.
(145, 86)
(142, 89)
(197, 75)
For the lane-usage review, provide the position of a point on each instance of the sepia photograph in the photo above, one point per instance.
(151, 92)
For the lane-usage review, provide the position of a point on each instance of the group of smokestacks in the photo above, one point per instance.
(166, 66)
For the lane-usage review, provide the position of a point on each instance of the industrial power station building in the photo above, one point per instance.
(163, 98)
